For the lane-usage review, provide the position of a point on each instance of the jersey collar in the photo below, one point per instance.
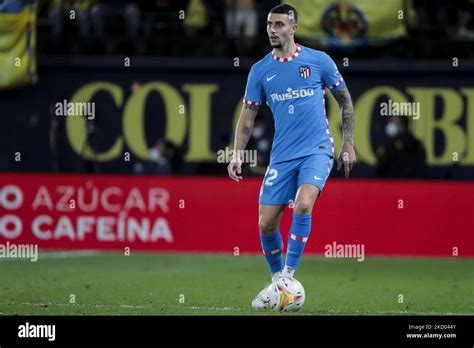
(293, 56)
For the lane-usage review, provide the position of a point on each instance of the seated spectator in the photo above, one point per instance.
(241, 18)
(166, 156)
(403, 156)
(196, 17)
(129, 11)
(465, 28)
(60, 9)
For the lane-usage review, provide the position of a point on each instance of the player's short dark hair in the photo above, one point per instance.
(286, 9)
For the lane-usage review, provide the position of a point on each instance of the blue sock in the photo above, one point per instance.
(272, 246)
(299, 232)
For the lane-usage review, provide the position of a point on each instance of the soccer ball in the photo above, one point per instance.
(287, 295)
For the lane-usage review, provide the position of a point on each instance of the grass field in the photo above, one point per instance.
(205, 284)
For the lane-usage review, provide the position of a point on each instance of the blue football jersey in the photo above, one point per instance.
(293, 88)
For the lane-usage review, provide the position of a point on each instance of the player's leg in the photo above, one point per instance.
(312, 177)
(269, 217)
(278, 187)
(300, 227)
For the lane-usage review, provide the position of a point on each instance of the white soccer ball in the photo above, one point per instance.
(286, 294)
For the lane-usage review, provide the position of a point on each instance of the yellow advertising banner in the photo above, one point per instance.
(349, 23)
(17, 48)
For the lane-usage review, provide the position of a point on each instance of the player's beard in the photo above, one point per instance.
(277, 44)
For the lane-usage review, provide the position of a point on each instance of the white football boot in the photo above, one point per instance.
(262, 300)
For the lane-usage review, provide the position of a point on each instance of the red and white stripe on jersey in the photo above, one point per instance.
(272, 252)
(293, 56)
(328, 132)
(331, 139)
(299, 239)
(332, 157)
(336, 84)
(249, 102)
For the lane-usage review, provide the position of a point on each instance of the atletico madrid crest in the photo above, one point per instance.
(305, 71)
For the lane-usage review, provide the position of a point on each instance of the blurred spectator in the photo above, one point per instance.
(11, 6)
(102, 12)
(403, 156)
(444, 18)
(196, 17)
(59, 9)
(428, 15)
(14, 6)
(465, 28)
(201, 27)
(241, 18)
(162, 15)
(166, 156)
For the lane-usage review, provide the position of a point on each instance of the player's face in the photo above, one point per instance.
(280, 29)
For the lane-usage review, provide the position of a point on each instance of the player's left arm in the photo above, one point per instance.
(347, 155)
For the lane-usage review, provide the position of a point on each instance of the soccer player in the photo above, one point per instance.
(292, 80)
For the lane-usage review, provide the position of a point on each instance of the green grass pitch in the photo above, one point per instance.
(208, 284)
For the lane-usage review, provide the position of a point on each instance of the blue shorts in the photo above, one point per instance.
(281, 180)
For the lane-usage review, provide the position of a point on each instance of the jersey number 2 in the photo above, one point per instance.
(272, 174)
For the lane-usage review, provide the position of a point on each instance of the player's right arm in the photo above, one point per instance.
(252, 100)
(334, 81)
(243, 133)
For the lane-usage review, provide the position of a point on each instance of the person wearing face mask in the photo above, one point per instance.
(403, 156)
(166, 156)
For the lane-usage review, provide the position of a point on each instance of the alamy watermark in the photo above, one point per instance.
(66, 108)
(392, 108)
(28, 330)
(336, 250)
(19, 251)
(246, 156)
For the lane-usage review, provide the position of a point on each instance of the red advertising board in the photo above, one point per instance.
(215, 214)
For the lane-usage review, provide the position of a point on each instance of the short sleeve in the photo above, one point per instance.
(253, 91)
(330, 74)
